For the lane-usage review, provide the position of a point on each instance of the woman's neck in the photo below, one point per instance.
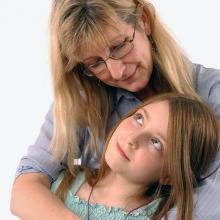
(145, 93)
(116, 191)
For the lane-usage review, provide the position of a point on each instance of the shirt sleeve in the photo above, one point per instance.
(207, 83)
(39, 155)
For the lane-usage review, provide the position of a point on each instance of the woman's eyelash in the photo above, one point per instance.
(119, 45)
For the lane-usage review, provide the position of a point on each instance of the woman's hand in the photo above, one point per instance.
(32, 199)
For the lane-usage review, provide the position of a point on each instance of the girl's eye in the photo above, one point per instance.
(157, 144)
(139, 118)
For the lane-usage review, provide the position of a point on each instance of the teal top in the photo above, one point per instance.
(98, 211)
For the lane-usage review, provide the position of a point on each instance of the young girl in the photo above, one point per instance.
(153, 159)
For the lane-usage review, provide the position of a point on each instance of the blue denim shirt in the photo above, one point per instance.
(207, 85)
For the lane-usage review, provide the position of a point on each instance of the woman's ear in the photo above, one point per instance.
(145, 22)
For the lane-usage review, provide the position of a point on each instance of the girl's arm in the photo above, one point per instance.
(32, 199)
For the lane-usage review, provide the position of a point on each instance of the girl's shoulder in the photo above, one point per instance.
(77, 201)
(207, 85)
(75, 185)
(204, 77)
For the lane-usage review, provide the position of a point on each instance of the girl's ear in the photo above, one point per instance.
(165, 181)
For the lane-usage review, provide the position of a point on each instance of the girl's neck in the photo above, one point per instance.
(115, 191)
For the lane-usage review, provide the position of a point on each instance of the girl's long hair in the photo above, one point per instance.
(80, 101)
(193, 141)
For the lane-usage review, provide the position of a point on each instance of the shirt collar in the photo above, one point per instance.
(117, 94)
(124, 93)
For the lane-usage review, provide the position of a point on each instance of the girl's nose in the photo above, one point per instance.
(132, 140)
(135, 139)
(133, 145)
(116, 68)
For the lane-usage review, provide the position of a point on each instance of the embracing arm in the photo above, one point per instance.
(32, 199)
(31, 196)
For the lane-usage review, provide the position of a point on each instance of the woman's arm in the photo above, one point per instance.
(207, 82)
(32, 199)
(31, 196)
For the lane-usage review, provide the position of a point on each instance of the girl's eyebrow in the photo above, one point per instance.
(146, 114)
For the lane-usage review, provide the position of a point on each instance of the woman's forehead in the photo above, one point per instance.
(111, 36)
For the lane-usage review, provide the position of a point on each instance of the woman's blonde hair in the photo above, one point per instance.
(78, 26)
(193, 141)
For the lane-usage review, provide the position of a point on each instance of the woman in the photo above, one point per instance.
(137, 177)
(103, 51)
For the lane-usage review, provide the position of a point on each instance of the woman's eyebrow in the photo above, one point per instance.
(91, 58)
(119, 36)
(111, 42)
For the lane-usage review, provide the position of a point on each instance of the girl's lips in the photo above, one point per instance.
(121, 152)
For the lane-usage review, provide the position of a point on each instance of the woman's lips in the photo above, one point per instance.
(121, 152)
(130, 77)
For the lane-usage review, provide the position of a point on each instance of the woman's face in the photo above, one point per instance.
(131, 72)
(137, 147)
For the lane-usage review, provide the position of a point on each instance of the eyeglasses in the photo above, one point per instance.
(117, 52)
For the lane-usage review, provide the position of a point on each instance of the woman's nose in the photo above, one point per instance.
(116, 68)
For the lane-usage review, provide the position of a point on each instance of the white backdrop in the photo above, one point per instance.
(25, 84)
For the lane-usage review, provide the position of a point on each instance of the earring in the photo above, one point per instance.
(152, 42)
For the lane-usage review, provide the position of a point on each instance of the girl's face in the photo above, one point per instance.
(133, 70)
(137, 147)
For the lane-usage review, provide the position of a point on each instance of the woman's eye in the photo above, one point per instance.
(157, 144)
(96, 64)
(117, 47)
(120, 45)
(139, 118)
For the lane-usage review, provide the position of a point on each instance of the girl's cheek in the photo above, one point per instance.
(144, 156)
(149, 155)
(128, 125)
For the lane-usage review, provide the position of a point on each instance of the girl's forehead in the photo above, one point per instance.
(157, 110)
